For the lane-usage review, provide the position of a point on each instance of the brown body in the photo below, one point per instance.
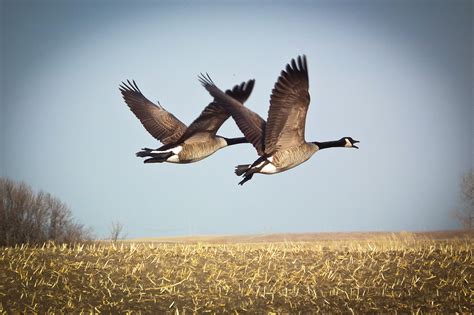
(196, 151)
(280, 141)
(288, 158)
(182, 144)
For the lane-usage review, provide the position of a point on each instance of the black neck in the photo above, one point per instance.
(330, 144)
(232, 141)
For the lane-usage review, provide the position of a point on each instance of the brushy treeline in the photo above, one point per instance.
(34, 218)
(465, 214)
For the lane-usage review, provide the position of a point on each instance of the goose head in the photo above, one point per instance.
(349, 142)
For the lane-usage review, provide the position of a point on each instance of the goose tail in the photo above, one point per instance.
(143, 152)
(241, 169)
(155, 156)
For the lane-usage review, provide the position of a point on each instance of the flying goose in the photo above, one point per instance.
(280, 140)
(182, 144)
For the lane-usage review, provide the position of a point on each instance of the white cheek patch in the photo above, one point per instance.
(270, 159)
(348, 143)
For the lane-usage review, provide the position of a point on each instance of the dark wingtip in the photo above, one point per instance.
(123, 87)
(136, 86)
(297, 66)
(304, 62)
(293, 64)
(128, 86)
(242, 91)
(250, 84)
(205, 80)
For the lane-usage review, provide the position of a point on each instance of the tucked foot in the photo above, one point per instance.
(246, 179)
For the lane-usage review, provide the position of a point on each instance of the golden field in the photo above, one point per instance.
(349, 273)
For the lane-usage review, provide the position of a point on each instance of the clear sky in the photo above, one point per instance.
(396, 75)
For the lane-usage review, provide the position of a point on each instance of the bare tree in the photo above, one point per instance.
(466, 214)
(116, 229)
(26, 217)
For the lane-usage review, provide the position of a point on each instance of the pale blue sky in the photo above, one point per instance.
(396, 75)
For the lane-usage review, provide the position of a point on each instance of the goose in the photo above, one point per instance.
(279, 141)
(182, 144)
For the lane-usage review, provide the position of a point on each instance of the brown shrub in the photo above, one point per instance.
(34, 218)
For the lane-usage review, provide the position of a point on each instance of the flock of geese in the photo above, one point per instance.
(279, 141)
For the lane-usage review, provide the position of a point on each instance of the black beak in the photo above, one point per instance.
(353, 144)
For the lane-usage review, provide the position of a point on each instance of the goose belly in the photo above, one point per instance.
(286, 159)
(195, 152)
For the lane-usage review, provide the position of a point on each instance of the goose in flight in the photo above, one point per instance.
(182, 144)
(279, 141)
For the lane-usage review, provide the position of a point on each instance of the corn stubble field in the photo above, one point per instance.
(381, 274)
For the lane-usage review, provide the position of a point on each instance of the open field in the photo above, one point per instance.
(308, 237)
(376, 273)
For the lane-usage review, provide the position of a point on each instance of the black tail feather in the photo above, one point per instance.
(156, 157)
(144, 152)
(154, 160)
(241, 169)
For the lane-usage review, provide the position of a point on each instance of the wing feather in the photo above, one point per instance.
(289, 104)
(161, 124)
(215, 114)
(249, 122)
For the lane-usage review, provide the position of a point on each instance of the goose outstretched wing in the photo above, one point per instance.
(249, 122)
(215, 114)
(161, 124)
(289, 104)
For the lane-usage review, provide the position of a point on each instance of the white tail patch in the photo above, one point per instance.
(173, 159)
(269, 159)
(269, 169)
(175, 150)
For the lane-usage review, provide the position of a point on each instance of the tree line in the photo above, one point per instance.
(34, 218)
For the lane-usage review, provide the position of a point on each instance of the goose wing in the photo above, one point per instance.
(215, 114)
(161, 124)
(249, 122)
(288, 107)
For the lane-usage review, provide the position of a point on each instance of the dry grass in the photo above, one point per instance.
(309, 237)
(382, 274)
